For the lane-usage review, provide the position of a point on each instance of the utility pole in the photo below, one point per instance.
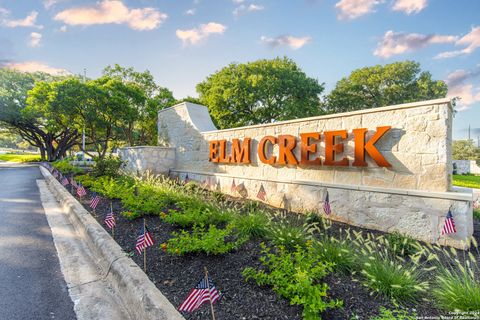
(83, 134)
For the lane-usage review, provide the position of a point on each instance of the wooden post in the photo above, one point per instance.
(113, 228)
(209, 293)
(144, 249)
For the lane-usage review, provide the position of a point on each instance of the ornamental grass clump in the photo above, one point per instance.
(395, 279)
(288, 236)
(401, 245)
(297, 277)
(338, 252)
(457, 286)
(252, 225)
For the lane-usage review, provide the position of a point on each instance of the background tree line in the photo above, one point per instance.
(120, 107)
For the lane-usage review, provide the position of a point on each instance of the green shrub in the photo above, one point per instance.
(476, 214)
(148, 199)
(295, 276)
(339, 253)
(205, 214)
(395, 279)
(396, 314)
(288, 236)
(86, 180)
(252, 225)
(458, 288)
(108, 166)
(212, 241)
(64, 167)
(131, 215)
(401, 245)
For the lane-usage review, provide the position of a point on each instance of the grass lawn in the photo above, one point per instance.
(11, 157)
(466, 181)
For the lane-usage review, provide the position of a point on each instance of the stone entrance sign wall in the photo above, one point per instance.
(411, 196)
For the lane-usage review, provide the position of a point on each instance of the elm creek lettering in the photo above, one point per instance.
(240, 150)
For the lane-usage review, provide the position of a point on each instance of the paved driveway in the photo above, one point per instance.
(31, 282)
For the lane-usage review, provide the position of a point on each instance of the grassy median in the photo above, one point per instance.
(12, 157)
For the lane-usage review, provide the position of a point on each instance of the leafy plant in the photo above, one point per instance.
(212, 241)
(252, 225)
(131, 215)
(295, 276)
(200, 216)
(109, 166)
(288, 236)
(64, 166)
(338, 252)
(396, 314)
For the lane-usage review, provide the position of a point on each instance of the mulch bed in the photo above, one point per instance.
(175, 276)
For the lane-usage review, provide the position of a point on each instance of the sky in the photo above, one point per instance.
(181, 42)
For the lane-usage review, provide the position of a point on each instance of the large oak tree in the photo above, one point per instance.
(262, 91)
(380, 86)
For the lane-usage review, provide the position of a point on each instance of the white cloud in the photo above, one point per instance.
(458, 86)
(410, 6)
(111, 11)
(50, 3)
(34, 66)
(286, 41)
(238, 1)
(397, 43)
(471, 41)
(241, 9)
(28, 21)
(63, 29)
(195, 35)
(191, 12)
(351, 9)
(35, 39)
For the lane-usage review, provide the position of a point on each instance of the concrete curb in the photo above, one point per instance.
(139, 295)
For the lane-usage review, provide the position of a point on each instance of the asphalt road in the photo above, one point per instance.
(31, 282)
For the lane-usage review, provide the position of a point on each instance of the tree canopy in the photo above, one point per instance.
(465, 150)
(262, 91)
(379, 86)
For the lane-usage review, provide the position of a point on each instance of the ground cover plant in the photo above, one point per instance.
(353, 273)
(468, 181)
(14, 157)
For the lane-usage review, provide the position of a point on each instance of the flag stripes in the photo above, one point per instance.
(199, 295)
(110, 220)
(326, 205)
(95, 201)
(64, 181)
(449, 225)
(144, 240)
(81, 191)
(262, 194)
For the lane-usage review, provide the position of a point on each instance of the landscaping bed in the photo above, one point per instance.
(176, 272)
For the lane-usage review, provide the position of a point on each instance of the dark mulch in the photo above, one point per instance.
(175, 276)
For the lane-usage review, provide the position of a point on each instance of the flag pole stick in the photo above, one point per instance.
(208, 285)
(113, 228)
(144, 249)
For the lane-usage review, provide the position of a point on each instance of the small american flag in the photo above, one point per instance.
(449, 226)
(199, 295)
(55, 173)
(64, 181)
(326, 205)
(187, 179)
(233, 188)
(476, 204)
(81, 191)
(110, 220)
(95, 200)
(144, 240)
(73, 182)
(262, 194)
